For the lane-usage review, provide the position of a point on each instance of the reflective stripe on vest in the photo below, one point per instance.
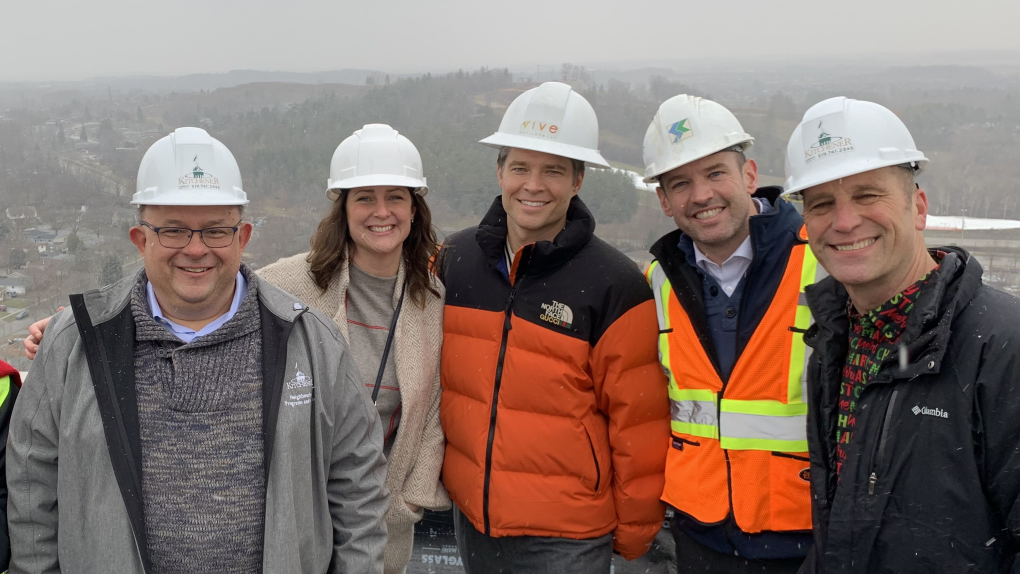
(694, 412)
(744, 424)
(762, 410)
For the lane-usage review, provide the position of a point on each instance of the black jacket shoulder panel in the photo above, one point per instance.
(623, 284)
(955, 406)
(471, 278)
(576, 285)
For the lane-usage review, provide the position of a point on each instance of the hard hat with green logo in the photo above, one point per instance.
(840, 137)
(686, 129)
(375, 155)
(189, 167)
(553, 119)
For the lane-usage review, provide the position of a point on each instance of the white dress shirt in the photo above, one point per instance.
(729, 274)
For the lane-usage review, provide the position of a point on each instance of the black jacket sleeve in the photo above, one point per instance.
(997, 408)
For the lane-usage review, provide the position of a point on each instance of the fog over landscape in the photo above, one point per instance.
(62, 40)
(760, 341)
(85, 88)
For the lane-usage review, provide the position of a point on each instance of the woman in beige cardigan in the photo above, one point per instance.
(374, 246)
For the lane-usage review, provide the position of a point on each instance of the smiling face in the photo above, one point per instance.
(865, 230)
(537, 189)
(194, 283)
(710, 200)
(378, 221)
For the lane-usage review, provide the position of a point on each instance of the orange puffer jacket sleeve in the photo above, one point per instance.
(632, 390)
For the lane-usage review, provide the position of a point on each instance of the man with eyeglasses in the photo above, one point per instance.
(193, 418)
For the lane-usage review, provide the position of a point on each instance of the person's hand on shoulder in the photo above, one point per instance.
(35, 336)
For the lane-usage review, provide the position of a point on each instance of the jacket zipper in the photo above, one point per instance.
(598, 470)
(883, 438)
(507, 311)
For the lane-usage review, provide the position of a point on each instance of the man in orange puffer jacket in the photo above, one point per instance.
(554, 406)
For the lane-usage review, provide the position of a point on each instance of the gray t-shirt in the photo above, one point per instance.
(369, 312)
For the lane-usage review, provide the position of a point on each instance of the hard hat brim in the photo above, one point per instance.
(418, 185)
(794, 189)
(654, 178)
(186, 197)
(590, 157)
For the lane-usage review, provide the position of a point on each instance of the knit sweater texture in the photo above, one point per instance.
(200, 422)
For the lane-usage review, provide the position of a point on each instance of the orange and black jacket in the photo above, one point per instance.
(554, 406)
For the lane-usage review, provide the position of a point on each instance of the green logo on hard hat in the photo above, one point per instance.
(198, 179)
(681, 130)
(823, 143)
(197, 172)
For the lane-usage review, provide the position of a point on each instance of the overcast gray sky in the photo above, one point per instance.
(71, 39)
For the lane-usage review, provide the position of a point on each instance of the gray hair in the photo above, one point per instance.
(140, 215)
(906, 171)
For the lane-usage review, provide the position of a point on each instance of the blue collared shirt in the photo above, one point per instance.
(722, 305)
(187, 334)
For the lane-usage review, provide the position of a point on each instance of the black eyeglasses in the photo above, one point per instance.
(180, 237)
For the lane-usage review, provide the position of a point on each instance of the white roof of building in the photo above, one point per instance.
(636, 178)
(955, 223)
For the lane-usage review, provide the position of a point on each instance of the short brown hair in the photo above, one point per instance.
(504, 152)
(332, 240)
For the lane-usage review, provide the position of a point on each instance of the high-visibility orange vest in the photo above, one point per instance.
(746, 443)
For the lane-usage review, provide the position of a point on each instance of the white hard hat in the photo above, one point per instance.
(375, 155)
(554, 119)
(686, 129)
(840, 137)
(189, 167)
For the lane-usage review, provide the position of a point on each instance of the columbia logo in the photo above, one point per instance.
(919, 410)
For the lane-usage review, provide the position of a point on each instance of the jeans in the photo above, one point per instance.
(530, 554)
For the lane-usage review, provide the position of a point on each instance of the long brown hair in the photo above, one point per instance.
(332, 240)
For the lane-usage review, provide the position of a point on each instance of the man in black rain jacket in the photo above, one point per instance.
(932, 477)
(914, 381)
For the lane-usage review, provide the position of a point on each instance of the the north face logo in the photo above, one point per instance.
(557, 314)
(936, 412)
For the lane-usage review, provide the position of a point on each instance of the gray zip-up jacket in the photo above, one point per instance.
(74, 459)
